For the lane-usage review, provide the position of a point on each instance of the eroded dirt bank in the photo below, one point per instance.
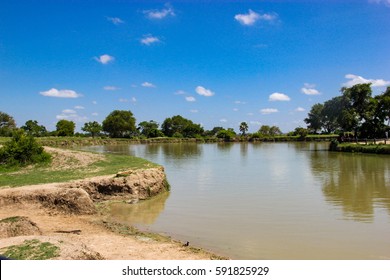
(71, 216)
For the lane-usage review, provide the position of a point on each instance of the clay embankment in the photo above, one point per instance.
(65, 215)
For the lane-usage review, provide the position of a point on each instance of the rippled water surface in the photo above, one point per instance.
(268, 200)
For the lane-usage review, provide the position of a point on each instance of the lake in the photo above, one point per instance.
(267, 200)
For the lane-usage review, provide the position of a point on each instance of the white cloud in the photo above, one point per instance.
(255, 122)
(148, 40)
(194, 111)
(251, 17)
(105, 59)
(68, 111)
(71, 115)
(160, 14)
(299, 109)
(309, 89)
(190, 99)
(78, 107)
(148, 85)
(115, 20)
(268, 111)
(204, 91)
(386, 2)
(354, 80)
(180, 92)
(223, 120)
(277, 96)
(63, 93)
(111, 88)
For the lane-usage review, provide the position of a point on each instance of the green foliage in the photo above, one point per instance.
(266, 130)
(65, 128)
(34, 129)
(94, 128)
(120, 124)
(22, 150)
(183, 126)
(7, 124)
(32, 250)
(243, 128)
(358, 148)
(150, 129)
(227, 135)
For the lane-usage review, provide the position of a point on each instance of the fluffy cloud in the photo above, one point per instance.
(111, 88)
(204, 91)
(277, 96)
(71, 115)
(268, 111)
(309, 89)
(251, 17)
(148, 40)
(63, 93)
(160, 14)
(105, 59)
(354, 80)
(190, 99)
(148, 85)
(115, 20)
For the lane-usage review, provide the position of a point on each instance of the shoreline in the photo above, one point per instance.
(72, 216)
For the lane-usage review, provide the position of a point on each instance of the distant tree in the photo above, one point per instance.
(243, 128)
(179, 125)
(34, 129)
(150, 129)
(94, 128)
(301, 132)
(120, 123)
(226, 134)
(274, 130)
(214, 131)
(264, 130)
(65, 128)
(7, 124)
(314, 119)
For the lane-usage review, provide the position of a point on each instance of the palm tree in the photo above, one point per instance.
(243, 128)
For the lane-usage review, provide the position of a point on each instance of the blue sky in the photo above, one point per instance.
(217, 63)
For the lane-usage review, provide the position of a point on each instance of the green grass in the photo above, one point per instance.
(41, 174)
(31, 250)
(359, 148)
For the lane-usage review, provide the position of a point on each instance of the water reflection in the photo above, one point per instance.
(356, 183)
(145, 212)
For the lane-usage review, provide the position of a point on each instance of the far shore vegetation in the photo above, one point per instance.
(354, 116)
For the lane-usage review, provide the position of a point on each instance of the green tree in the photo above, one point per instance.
(243, 128)
(264, 130)
(120, 123)
(94, 128)
(226, 134)
(65, 128)
(214, 131)
(22, 150)
(314, 119)
(150, 129)
(34, 129)
(177, 125)
(7, 124)
(274, 130)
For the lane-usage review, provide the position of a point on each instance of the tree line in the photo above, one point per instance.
(355, 112)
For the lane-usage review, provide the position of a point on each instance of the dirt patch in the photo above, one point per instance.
(17, 226)
(67, 159)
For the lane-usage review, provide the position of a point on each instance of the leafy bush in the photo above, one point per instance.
(22, 150)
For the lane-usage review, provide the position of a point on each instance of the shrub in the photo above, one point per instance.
(22, 150)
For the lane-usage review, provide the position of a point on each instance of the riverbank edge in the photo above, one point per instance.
(380, 149)
(62, 200)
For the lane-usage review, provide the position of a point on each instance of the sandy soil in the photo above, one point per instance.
(82, 236)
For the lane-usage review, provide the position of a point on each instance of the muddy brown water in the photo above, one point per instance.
(267, 200)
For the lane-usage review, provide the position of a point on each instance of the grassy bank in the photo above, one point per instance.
(70, 167)
(361, 148)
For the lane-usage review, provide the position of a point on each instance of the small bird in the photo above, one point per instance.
(186, 244)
